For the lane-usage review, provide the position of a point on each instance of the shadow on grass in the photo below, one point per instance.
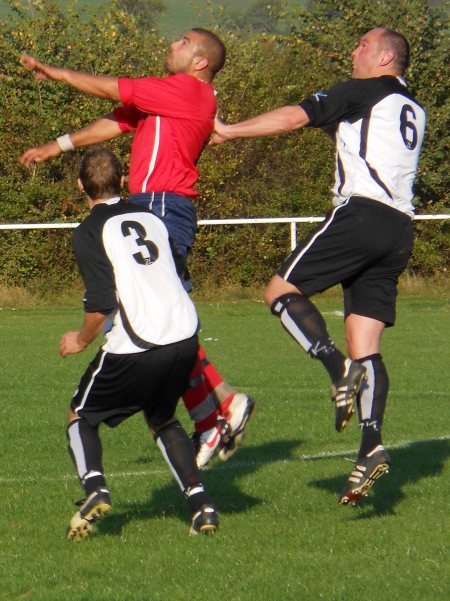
(411, 464)
(221, 481)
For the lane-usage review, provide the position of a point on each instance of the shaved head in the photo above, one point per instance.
(213, 48)
(398, 45)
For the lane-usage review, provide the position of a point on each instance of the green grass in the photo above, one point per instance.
(282, 536)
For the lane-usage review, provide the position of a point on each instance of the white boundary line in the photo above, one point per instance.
(224, 466)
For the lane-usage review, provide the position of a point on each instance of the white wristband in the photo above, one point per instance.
(65, 143)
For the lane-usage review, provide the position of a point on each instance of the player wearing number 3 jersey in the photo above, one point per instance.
(126, 263)
(365, 241)
(114, 247)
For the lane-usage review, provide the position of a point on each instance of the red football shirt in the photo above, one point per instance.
(173, 117)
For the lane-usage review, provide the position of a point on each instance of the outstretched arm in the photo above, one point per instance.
(100, 130)
(102, 86)
(286, 118)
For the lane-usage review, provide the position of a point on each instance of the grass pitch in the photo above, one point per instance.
(282, 535)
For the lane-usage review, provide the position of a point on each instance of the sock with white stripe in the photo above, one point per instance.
(371, 402)
(303, 321)
(178, 451)
(85, 449)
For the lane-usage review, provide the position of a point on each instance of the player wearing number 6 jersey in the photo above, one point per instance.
(126, 262)
(365, 241)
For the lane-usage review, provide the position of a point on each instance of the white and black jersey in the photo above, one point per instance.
(378, 128)
(126, 263)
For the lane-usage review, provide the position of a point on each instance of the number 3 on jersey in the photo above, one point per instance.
(149, 254)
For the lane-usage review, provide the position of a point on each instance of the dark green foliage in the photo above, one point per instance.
(33, 112)
(260, 16)
(269, 177)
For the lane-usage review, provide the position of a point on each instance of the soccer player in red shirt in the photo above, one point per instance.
(172, 118)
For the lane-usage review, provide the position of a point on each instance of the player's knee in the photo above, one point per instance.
(72, 421)
(278, 287)
(268, 296)
(274, 290)
(72, 417)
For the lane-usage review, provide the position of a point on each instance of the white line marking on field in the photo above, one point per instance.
(223, 466)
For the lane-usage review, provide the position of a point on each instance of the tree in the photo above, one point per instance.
(272, 176)
(262, 16)
(34, 112)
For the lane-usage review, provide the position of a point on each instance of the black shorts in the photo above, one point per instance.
(114, 387)
(364, 245)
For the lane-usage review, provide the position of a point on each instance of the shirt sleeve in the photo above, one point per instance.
(347, 101)
(96, 271)
(127, 117)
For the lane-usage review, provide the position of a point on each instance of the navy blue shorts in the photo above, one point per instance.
(364, 245)
(180, 218)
